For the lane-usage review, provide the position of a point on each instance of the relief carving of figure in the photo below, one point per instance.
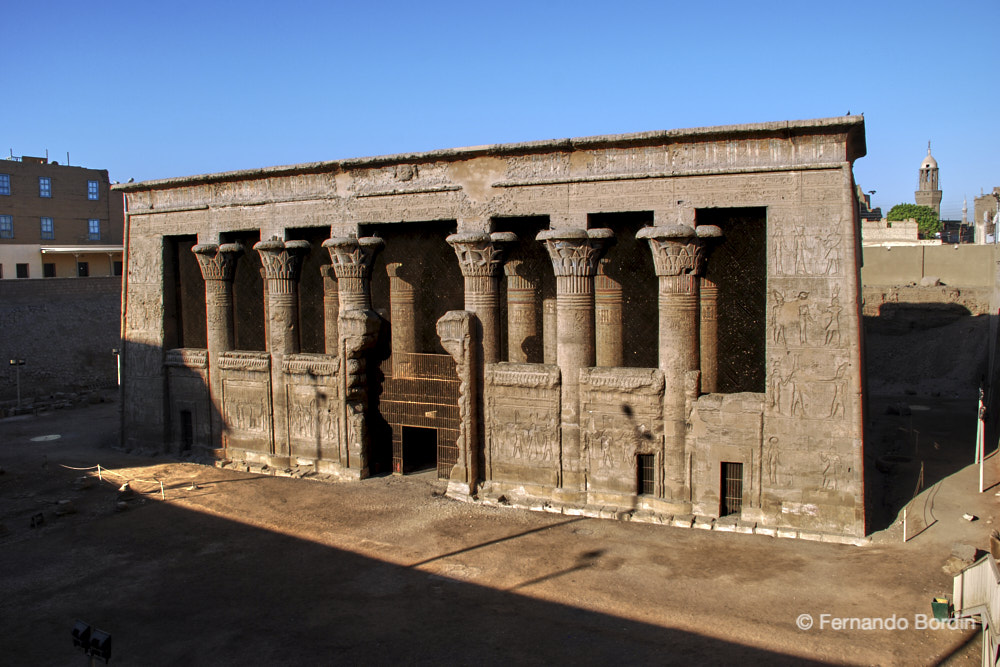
(833, 322)
(805, 317)
(772, 460)
(831, 253)
(831, 470)
(799, 250)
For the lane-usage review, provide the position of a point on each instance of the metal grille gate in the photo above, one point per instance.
(732, 488)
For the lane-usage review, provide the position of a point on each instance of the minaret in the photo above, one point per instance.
(928, 193)
(965, 211)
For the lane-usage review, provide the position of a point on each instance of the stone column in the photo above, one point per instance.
(358, 326)
(352, 263)
(455, 330)
(709, 332)
(677, 259)
(282, 263)
(402, 315)
(574, 254)
(218, 268)
(549, 321)
(331, 308)
(523, 333)
(480, 256)
(608, 316)
(358, 333)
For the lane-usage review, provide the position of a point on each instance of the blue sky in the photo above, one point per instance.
(154, 90)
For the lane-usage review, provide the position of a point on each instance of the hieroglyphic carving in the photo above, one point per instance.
(800, 385)
(312, 415)
(522, 421)
(245, 361)
(246, 406)
(187, 358)
(311, 364)
(799, 254)
(623, 416)
(800, 322)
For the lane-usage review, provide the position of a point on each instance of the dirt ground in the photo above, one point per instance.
(235, 568)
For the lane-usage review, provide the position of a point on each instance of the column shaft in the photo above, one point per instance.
(550, 349)
(282, 263)
(608, 317)
(402, 315)
(574, 254)
(218, 268)
(709, 330)
(331, 309)
(522, 315)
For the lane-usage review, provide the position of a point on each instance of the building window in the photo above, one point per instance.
(82, 269)
(4, 184)
(118, 268)
(44, 186)
(22, 270)
(94, 229)
(6, 227)
(48, 270)
(48, 229)
(92, 192)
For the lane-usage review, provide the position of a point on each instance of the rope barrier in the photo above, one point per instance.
(104, 471)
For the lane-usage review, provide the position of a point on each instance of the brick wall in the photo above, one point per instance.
(65, 329)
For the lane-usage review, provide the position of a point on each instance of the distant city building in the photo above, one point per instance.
(985, 214)
(892, 233)
(928, 188)
(58, 221)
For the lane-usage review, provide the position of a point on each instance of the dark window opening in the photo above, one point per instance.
(419, 448)
(535, 266)
(187, 431)
(429, 265)
(48, 270)
(312, 331)
(248, 293)
(645, 474)
(738, 267)
(630, 265)
(183, 294)
(732, 489)
(82, 269)
(22, 270)
(117, 268)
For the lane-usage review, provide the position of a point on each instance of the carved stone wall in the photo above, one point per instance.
(622, 412)
(802, 331)
(522, 424)
(312, 400)
(247, 409)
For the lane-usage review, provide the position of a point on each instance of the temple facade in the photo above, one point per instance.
(661, 326)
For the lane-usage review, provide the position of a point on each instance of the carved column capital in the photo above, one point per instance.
(575, 252)
(480, 254)
(678, 249)
(217, 262)
(353, 257)
(281, 260)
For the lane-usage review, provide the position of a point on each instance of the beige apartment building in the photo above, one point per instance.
(58, 221)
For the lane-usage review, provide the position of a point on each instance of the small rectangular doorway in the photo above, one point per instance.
(645, 479)
(187, 431)
(732, 489)
(419, 447)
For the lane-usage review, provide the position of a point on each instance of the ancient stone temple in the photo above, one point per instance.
(663, 326)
